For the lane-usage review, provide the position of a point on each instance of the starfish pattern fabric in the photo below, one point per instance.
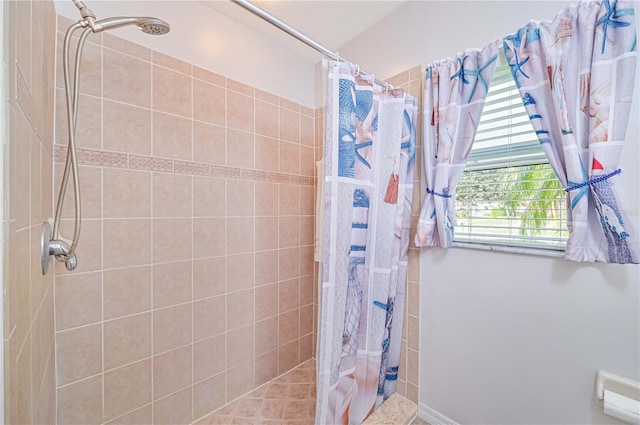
(369, 136)
(577, 86)
(454, 93)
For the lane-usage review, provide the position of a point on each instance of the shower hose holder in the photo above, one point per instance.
(58, 248)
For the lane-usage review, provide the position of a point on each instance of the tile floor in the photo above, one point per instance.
(289, 399)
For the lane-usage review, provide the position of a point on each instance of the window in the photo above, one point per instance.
(509, 194)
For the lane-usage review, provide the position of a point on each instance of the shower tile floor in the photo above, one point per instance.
(289, 399)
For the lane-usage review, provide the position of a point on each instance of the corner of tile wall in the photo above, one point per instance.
(28, 295)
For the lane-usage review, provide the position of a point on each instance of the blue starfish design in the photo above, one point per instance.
(610, 19)
(345, 152)
(411, 144)
(476, 73)
(517, 66)
(530, 35)
(533, 34)
(461, 72)
(359, 146)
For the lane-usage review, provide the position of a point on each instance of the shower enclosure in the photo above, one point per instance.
(195, 269)
(195, 281)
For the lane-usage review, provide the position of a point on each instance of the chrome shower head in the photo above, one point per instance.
(154, 26)
(147, 25)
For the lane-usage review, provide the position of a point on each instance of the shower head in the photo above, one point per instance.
(147, 25)
(154, 26)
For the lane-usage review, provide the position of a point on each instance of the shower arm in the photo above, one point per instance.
(247, 5)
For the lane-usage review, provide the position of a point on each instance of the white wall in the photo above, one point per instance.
(420, 32)
(208, 39)
(508, 338)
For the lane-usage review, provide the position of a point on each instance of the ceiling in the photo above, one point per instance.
(331, 23)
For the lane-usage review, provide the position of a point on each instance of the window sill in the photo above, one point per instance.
(510, 249)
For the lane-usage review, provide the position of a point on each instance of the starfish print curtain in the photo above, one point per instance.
(369, 167)
(575, 76)
(454, 94)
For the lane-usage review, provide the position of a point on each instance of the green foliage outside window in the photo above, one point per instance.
(524, 204)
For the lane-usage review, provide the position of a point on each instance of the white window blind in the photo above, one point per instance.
(509, 194)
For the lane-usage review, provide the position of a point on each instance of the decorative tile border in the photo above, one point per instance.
(193, 168)
(226, 172)
(93, 158)
(59, 153)
(278, 177)
(105, 159)
(97, 158)
(151, 164)
(255, 175)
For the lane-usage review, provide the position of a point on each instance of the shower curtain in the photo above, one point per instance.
(369, 167)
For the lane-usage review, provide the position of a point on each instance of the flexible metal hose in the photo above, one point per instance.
(71, 164)
(50, 243)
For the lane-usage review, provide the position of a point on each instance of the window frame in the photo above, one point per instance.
(532, 155)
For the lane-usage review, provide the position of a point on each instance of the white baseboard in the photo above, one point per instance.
(433, 416)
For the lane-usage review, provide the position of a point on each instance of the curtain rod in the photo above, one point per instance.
(295, 33)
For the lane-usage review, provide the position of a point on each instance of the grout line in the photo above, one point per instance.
(86, 378)
(102, 249)
(226, 250)
(115, 420)
(192, 260)
(152, 285)
(102, 291)
(253, 215)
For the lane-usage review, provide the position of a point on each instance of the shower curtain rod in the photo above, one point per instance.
(297, 34)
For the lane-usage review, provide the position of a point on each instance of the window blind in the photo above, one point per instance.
(505, 136)
(509, 194)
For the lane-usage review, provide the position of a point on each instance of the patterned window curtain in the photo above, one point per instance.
(454, 94)
(576, 77)
(369, 168)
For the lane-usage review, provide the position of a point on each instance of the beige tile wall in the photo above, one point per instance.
(29, 376)
(319, 153)
(195, 276)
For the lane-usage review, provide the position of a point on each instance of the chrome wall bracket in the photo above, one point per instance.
(58, 248)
